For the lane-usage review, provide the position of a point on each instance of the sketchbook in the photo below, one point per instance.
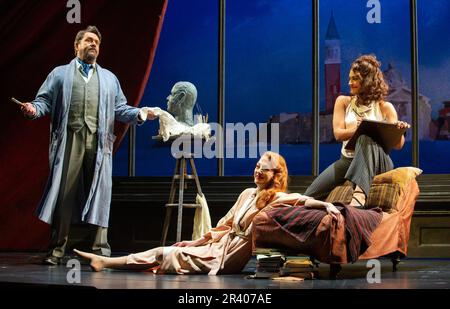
(385, 134)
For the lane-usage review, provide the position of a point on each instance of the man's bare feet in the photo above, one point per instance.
(97, 261)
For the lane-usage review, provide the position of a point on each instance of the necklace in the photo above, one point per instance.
(361, 110)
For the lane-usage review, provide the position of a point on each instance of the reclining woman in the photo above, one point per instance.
(368, 91)
(228, 247)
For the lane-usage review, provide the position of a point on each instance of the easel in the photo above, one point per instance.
(180, 175)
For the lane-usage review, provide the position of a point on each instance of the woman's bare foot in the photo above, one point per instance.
(97, 261)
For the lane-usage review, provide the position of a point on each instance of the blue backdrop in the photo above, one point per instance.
(268, 70)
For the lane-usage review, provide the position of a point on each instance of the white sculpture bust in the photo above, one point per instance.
(178, 119)
(181, 101)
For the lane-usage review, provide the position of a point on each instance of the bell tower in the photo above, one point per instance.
(332, 65)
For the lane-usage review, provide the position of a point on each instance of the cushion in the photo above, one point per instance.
(384, 191)
(383, 195)
(341, 194)
(387, 187)
(400, 175)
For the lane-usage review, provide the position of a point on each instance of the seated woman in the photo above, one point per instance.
(368, 91)
(227, 247)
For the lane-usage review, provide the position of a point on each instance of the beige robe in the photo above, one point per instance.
(229, 245)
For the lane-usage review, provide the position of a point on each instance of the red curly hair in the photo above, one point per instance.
(279, 181)
(373, 86)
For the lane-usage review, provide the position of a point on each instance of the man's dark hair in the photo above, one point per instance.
(92, 29)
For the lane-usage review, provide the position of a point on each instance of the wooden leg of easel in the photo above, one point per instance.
(166, 225)
(194, 172)
(180, 200)
(171, 200)
(173, 186)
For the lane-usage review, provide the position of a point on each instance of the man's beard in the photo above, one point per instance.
(88, 57)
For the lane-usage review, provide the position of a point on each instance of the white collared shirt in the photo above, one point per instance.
(90, 73)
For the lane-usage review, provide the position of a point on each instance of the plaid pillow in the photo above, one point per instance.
(400, 175)
(384, 195)
(341, 194)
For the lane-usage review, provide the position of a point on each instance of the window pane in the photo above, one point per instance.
(268, 80)
(350, 29)
(434, 85)
(187, 51)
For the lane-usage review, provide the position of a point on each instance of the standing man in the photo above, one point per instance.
(84, 100)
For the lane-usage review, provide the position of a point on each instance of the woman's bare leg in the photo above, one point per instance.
(359, 197)
(99, 262)
(139, 261)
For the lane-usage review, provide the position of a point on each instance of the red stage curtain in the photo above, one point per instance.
(35, 37)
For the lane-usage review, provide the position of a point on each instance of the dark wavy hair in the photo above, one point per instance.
(279, 182)
(373, 86)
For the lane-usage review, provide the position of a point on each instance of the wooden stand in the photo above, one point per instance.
(179, 177)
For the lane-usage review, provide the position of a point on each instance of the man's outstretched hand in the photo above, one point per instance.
(150, 115)
(28, 109)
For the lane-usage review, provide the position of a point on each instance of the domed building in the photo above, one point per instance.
(297, 128)
(400, 96)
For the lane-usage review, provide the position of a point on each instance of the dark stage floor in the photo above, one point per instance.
(18, 269)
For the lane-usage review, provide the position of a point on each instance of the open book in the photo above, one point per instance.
(385, 134)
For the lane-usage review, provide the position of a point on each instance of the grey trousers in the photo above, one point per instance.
(369, 160)
(78, 172)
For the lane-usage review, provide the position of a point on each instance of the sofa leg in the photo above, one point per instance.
(395, 259)
(314, 261)
(334, 271)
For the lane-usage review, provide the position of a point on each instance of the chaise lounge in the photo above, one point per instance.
(330, 241)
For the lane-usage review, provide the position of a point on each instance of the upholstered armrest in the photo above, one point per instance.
(387, 190)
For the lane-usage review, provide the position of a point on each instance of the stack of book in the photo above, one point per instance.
(279, 265)
(298, 266)
(268, 263)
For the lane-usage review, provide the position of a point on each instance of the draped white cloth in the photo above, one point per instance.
(169, 126)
